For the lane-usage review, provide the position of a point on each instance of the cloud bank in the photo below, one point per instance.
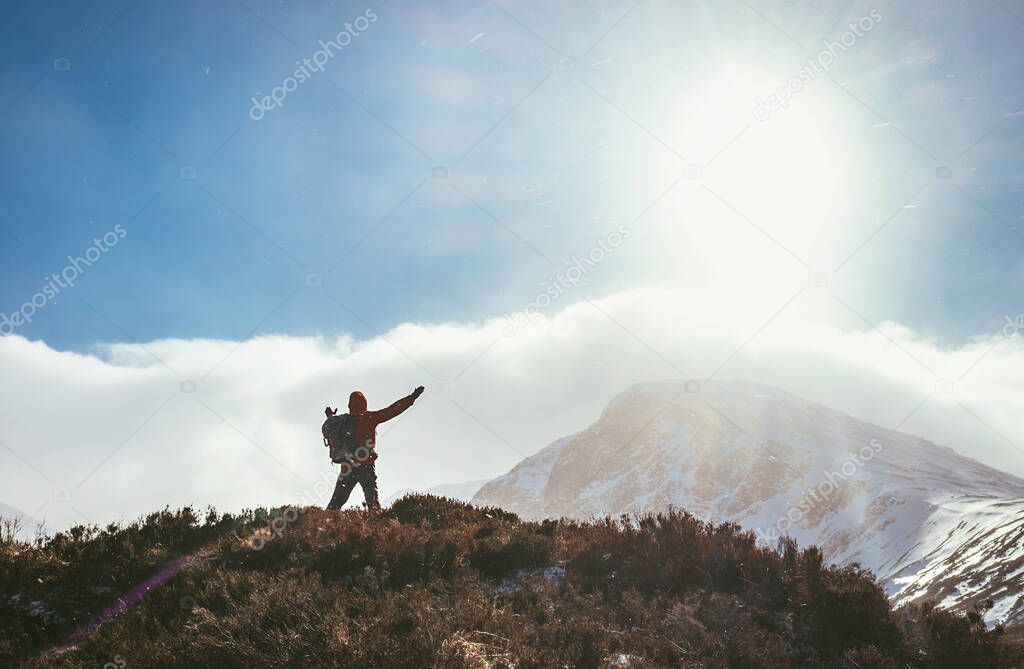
(130, 428)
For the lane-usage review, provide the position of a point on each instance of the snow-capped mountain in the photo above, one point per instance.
(930, 523)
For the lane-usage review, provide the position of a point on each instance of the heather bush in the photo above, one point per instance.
(437, 583)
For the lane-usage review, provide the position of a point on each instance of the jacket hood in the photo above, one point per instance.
(356, 402)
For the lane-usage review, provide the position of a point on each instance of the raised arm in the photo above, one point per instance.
(398, 407)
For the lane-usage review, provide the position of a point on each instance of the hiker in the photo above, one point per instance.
(359, 467)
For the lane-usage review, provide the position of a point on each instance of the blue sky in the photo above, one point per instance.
(861, 245)
(544, 159)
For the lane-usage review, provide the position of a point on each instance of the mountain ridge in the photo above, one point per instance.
(432, 582)
(918, 514)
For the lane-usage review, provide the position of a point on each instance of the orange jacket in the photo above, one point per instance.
(366, 424)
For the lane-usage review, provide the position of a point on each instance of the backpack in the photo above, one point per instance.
(340, 437)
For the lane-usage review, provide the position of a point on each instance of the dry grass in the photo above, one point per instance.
(437, 583)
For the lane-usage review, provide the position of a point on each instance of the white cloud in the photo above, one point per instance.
(114, 429)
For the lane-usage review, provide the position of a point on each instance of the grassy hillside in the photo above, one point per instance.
(436, 583)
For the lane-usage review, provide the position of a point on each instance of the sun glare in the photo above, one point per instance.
(789, 173)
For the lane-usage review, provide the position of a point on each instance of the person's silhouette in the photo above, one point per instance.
(363, 470)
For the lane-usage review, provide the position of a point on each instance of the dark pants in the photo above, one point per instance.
(365, 476)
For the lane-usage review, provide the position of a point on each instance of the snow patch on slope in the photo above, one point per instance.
(929, 522)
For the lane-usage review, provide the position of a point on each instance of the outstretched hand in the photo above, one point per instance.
(416, 393)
